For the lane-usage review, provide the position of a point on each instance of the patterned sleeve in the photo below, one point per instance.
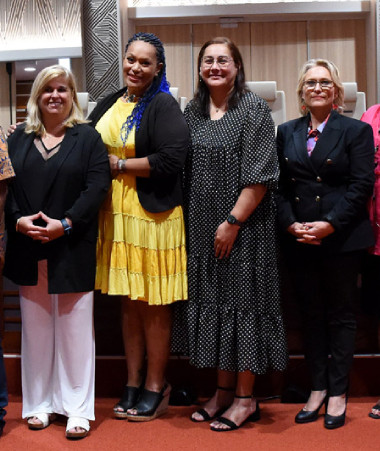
(259, 163)
(6, 169)
(6, 172)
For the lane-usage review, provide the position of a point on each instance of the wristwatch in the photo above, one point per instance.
(232, 220)
(66, 227)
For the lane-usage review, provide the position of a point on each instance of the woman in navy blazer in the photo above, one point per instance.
(326, 178)
(62, 177)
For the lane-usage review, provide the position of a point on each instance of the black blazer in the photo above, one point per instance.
(76, 190)
(163, 137)
(333, 185)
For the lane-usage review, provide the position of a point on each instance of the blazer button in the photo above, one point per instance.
(297, 199)
(317, 199)
(293, 179)
(329, 161)
(286, 159)
(319, 179)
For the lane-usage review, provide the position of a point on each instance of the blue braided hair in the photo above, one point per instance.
(159, 84)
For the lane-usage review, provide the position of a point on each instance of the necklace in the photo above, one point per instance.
(217, 109)
(49, 150)
(130, 98)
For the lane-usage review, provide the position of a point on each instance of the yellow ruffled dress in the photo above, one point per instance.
(140, 254)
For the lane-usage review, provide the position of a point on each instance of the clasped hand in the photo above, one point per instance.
(311, 232)
(51, 231)
(113, 160)
(225, 237)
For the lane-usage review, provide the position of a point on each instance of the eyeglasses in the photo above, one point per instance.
(323, 84)
(221, 61)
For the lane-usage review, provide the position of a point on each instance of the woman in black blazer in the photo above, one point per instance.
(62, 177)
(326, 178)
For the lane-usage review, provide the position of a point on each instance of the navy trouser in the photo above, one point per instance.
(326, 287)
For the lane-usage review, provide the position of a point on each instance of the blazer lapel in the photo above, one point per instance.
(18, 160)
(299, 140)
(327, 140)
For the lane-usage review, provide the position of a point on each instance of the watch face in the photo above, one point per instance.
(231, 219)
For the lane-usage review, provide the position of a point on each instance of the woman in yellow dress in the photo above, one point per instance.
(141, 246)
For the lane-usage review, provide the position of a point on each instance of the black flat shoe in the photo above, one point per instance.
(150, 405)
(308, 416)
(254, 416)
(127, 401)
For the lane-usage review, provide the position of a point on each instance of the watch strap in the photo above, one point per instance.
(232, 220)
(66, 227)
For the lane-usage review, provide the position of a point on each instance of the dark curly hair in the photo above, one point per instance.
(202, 96)
(159, 84)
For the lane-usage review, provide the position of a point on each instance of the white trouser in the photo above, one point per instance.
(58, 351)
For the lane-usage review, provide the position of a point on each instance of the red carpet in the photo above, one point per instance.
(174, 431)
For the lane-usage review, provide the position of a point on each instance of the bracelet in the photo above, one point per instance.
(18, 220)
(121, 165)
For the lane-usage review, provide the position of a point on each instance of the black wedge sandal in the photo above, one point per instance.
(150, 405)
(128, 400)
(205, 415)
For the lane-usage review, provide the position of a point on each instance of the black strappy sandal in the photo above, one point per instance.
(205, 415)
(254, 416)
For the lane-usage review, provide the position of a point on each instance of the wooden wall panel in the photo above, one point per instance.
(239, 35)
(344, 43)
(278, 51)
(270, 50)
(177, 43)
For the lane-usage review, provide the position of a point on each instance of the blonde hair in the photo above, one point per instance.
(34, 120)
(334, 72)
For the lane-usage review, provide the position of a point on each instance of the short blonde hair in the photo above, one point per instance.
(34, 120)
(334, 72)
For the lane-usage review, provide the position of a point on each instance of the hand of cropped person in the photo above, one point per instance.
(12, 128)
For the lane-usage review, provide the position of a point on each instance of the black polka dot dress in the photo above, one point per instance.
(233, 316)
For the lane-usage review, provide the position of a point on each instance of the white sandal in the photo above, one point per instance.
(44, 418)
(77, 422)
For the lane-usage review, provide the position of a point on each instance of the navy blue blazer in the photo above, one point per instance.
(333, 184)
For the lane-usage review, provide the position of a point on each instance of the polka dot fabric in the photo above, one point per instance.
(233, 317)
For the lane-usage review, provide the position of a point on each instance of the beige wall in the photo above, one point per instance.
(271, 51)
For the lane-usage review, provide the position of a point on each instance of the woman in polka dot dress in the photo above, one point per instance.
(234, 316)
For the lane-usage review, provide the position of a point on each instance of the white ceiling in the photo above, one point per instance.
(22, 75)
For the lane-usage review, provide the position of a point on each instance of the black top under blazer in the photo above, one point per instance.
(333, 184)
(76, 189)
(163, 137)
